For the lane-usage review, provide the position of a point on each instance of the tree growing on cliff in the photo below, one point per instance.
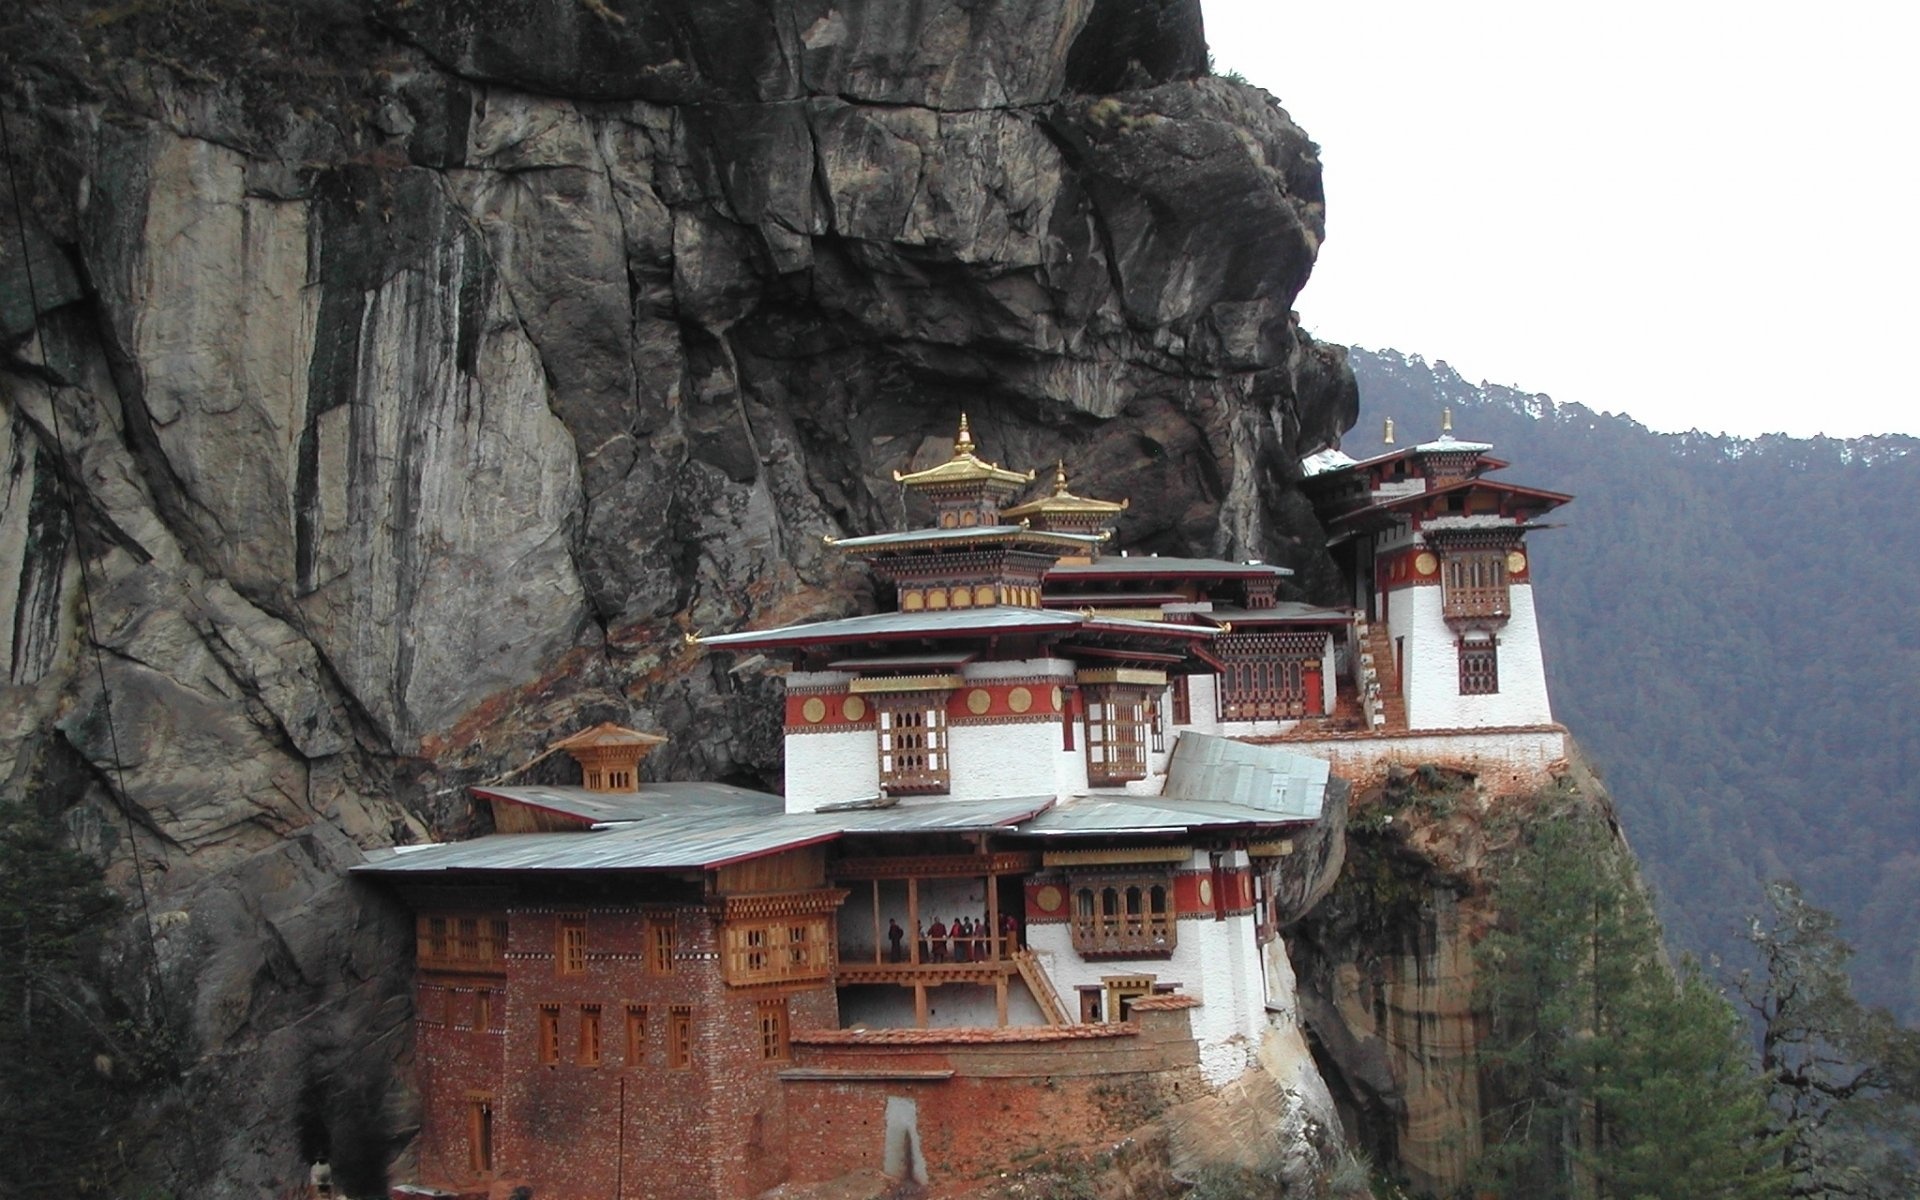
(1843, 1079)
(1605, 1074)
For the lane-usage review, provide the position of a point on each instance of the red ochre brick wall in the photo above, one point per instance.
(1007, 1104)
(572, 1130)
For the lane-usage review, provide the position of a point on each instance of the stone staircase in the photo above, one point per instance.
(1041, 985)
(1385, 707)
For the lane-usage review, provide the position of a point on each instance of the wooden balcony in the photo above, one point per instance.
(1146, 935)
(924, 974)
(1476, 603)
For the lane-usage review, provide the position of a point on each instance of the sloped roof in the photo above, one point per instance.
(607, 734)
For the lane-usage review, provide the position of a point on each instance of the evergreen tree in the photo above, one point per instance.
(1606, 1076)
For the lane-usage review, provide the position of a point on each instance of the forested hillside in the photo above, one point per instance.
(1733, 632)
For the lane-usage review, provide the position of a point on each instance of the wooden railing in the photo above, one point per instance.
(1133, 935)
(1477, 602)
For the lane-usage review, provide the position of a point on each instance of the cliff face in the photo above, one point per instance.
(420, 373)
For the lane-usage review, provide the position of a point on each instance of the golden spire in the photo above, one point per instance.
(1446, 420)
(1060, 477)
(1389, 431)
(963, 444)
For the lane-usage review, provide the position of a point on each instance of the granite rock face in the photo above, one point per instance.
(419, 382)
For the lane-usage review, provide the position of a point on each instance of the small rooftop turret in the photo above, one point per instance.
(1064, 512)
(609, 756)
(965, 490)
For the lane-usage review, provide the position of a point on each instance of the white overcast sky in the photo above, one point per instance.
(1701, 214)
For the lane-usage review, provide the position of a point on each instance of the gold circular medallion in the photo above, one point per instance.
(1516, 562)
(1020, 699)
(913, 601)
(853, 708)
(1056, 698)
(1048, 898)
(979, 700)
(814, 710)
(1425, 563)
(1206, 891)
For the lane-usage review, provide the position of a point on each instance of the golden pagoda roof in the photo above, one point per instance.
(963, 467)
(1064, 501)
(606, 734)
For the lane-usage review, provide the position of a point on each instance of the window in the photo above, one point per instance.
(483, 1009)
(572, 951)
(589, 1035)
(680, 1037)
(660, 947)
(549, 1034)
(461, 943)
(773, 1029)
(636, 1034)
(1182, 701)
(1479, 667)
(778, 951)
(1121, 991)
(1124, 916)
(1157, 726)
(1473, 583)
(1118, 719)
(480, 1134)
(913, 743)
(1270, 676)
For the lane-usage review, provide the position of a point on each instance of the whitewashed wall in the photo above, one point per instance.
(1432, 671)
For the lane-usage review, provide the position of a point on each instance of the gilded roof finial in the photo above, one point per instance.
(1060, 477)
(964, 443)
(1389, 431)
(1446, 420)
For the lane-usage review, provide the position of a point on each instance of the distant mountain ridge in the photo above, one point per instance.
(1731, 632)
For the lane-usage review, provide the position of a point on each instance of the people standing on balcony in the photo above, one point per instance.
(938, 935)
(895, 935)
(1009, 934)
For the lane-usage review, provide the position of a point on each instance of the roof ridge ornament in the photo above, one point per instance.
(1388, 436)
(1446, 420)
(963, 442)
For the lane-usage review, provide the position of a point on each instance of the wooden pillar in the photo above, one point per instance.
(876, 920)
(1000, 997)
(913, 924)
(993, 929)
(919, 1005)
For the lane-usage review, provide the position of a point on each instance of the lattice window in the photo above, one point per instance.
(1479, 668)
(1119, 721)
(636, 1034)
(773, 1029)
(460, 943)
(777, 951)
(1473, 584)
(571, 953)
(1182, 701)
(680, 1037)
(1270, 676)
(549, 1045)
(660, 947)
(913, 743)
(589, 1055)
(1125, 916)
(483, 1009)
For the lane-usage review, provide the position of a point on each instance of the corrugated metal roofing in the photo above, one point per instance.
(689, 833)
(652, 799)
(1111, 565)
(969, 533)
(952, 621)
(1284, 610)
(1264, 778)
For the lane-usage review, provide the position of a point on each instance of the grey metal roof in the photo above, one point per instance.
(652, 799)
(1264, 778)
(951, 621)
(688, 833)
(1284, 610)
(963, 534)
(1110, 565)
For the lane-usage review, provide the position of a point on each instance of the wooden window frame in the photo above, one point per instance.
(1474, 584)
(1479, 667)
(548, 1049)
(483, 1009)
(1270, 676)
(480, 1133)
(777, 950)
(468, 942)
(1182, 700)
(589, 1042)
(1130, 914)
(1118, 720)
(912, 730)
(775, 1033)
(660, 946)
(570, 945)
(636, 1035)
(680, 1037)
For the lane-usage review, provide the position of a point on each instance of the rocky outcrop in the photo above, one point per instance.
(408, 378)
